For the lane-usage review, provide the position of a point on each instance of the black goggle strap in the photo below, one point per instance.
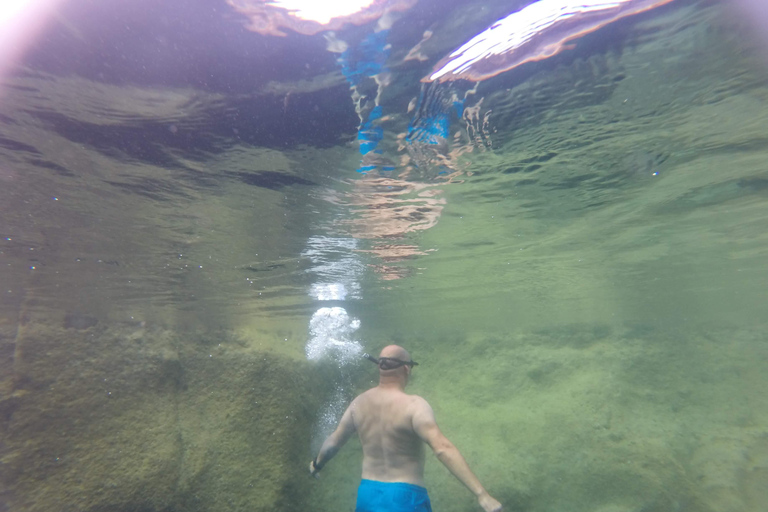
(389, 363)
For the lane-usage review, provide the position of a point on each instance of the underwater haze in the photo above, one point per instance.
(209, 211)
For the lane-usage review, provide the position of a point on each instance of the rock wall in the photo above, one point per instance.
(120, 418)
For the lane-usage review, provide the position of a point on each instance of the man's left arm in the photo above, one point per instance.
(334, 441)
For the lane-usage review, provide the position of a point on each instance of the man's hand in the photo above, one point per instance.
(488, 503)
(313, 470)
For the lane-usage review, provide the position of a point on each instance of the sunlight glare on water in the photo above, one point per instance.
(321, 12)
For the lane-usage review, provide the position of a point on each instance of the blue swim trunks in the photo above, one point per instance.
(373, 496)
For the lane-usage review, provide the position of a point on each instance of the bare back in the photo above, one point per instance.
(393, 428)
(392, 450)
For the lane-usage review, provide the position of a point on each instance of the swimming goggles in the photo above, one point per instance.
(390, 363)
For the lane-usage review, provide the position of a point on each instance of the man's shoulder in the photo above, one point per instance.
(417, 403)
(376, 393)
(417, 398)
(415, 406)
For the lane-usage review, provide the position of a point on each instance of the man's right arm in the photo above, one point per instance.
(335, 441)
(425, 426)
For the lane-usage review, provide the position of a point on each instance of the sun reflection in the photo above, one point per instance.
(10, 9)
(20, 21)
(321, 12)
(272, 17)
(536, 32)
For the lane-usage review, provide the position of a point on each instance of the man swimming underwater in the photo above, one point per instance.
(393, 428)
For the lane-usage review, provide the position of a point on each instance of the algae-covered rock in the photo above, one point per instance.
(101, 419)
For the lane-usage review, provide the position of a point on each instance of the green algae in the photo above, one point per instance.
(582, 418)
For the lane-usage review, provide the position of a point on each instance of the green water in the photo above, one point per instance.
(594, 320)
(586, 297)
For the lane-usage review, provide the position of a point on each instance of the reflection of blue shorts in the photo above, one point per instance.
(373, 496)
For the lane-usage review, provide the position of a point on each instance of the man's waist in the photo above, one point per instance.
(365, 482)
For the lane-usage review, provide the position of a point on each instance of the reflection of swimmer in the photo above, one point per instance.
(386, 210)
(428, 131)
(393, 428)
(389, 208)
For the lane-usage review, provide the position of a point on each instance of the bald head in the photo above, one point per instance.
(399, 374)
(396, 352)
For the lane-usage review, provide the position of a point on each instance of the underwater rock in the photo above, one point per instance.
(79, 321)
(97, 423)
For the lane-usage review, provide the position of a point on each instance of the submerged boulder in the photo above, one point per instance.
(102, 420)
